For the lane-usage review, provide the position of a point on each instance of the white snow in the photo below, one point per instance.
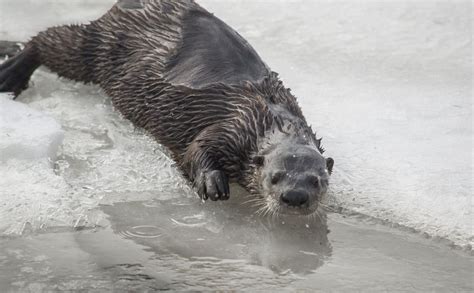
(387, 83)
(26, 133)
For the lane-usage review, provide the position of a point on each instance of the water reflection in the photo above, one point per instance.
(223, 231)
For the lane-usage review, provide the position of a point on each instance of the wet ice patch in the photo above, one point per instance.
(223, 231)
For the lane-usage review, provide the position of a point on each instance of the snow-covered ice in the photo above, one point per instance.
(26, 133)
(30, 191)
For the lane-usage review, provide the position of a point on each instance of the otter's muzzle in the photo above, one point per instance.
(295, 198)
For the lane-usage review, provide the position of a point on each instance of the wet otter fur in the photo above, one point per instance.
(199, 88)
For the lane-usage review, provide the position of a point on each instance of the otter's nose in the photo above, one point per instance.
(295, 198)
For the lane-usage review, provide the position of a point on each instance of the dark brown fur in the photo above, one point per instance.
(217, 109)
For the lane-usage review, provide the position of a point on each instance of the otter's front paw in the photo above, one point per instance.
(213, 185)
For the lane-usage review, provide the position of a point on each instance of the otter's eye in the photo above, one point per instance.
(277, 177)
(314, 180)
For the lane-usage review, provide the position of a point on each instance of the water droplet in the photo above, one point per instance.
(143, 232)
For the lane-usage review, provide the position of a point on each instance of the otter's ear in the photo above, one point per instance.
(259, 160)
(330, 164)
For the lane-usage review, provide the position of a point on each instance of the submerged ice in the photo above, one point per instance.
(388, 84)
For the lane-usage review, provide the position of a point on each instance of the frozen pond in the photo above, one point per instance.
(387, 83)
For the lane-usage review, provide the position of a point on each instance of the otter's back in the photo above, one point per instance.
(212, 52)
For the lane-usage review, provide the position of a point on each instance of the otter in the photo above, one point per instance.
(200, 89)
(9, 49)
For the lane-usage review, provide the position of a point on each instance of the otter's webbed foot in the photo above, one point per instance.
(212, 184)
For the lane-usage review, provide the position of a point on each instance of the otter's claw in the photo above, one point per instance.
(213, 185)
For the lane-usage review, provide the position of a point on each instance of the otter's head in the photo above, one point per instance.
(293, 178)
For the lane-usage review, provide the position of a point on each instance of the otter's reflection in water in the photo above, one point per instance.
(224, 231)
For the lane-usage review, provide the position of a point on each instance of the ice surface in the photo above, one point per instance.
(20, 20)
(30, 192)
(388, 84)
(26, 133)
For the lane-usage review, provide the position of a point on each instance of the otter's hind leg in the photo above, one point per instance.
(15, 73)
(68, 50)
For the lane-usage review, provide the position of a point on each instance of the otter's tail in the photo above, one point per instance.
(15, 73)
(9, 49)
(64, 50)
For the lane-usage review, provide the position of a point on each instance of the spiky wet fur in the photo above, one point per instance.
(219, 126)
